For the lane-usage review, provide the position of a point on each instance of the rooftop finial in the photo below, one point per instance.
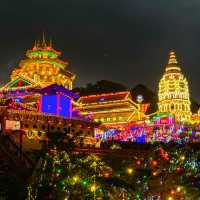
(172, 58)
(50, 43)
(35, 44)
(43, 40)
(38, 43)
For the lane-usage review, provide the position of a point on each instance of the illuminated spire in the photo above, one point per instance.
(35, 44)
(50, 43)
(172, 65)
(173, 94)
(43, 40)
(38, 43)
(172, 58)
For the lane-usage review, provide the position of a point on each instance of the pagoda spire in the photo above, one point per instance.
(35, 44)
(43, 40)
(50, 43)
(172, 57)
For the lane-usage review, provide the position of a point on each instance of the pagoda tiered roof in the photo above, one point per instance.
(105, 98)
(43, 66)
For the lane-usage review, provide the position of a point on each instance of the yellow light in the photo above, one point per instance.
(130, 170)
(75, 179)
(155, 173)
(93, 187)
(170, 198)
(178, 189)
(182, 157)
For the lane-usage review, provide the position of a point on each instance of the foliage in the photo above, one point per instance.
(171, 169)
(100, 87)
(60, 177)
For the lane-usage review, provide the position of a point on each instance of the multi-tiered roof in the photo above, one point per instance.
(42, 67)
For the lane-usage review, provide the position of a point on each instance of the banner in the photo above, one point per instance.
(13, 125)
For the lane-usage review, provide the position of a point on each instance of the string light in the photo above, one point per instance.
(130, 171)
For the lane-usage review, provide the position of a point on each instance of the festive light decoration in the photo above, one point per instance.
(150, 176)
(130, 170)
(109, 109)
(56, 105)
(144, 133)
(42, 67)
(173, 91)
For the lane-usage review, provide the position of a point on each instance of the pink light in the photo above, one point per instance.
(40, 104)
(58, 104)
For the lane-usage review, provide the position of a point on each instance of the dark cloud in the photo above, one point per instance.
(135, 36)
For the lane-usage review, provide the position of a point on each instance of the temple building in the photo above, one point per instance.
(173, 94)
(38, 99)
(111, 109)
(42, 67)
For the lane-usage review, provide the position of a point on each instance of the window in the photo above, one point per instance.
(108, 119)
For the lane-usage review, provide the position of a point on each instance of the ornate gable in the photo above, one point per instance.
(18, 83)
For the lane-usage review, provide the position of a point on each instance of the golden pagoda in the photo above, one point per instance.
(173, 94)
(43, 66)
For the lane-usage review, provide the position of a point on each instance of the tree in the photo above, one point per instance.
(148, 95)
(100, 87)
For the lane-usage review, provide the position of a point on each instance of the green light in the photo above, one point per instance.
(84, 182)
(41, 53)
(60, 170)
(190, 132)
(62, 66)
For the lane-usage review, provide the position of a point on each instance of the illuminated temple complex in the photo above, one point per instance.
(39, 99)
(173, 91)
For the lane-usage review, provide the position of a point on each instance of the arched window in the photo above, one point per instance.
(172, 106)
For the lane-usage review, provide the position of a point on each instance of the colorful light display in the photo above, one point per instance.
(160, 173)
(42, 84)
(42, 67)
(110, 109)
(166, 132)
(174, 92)
(56, 105)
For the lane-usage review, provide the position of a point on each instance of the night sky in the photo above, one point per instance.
(126, 41)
